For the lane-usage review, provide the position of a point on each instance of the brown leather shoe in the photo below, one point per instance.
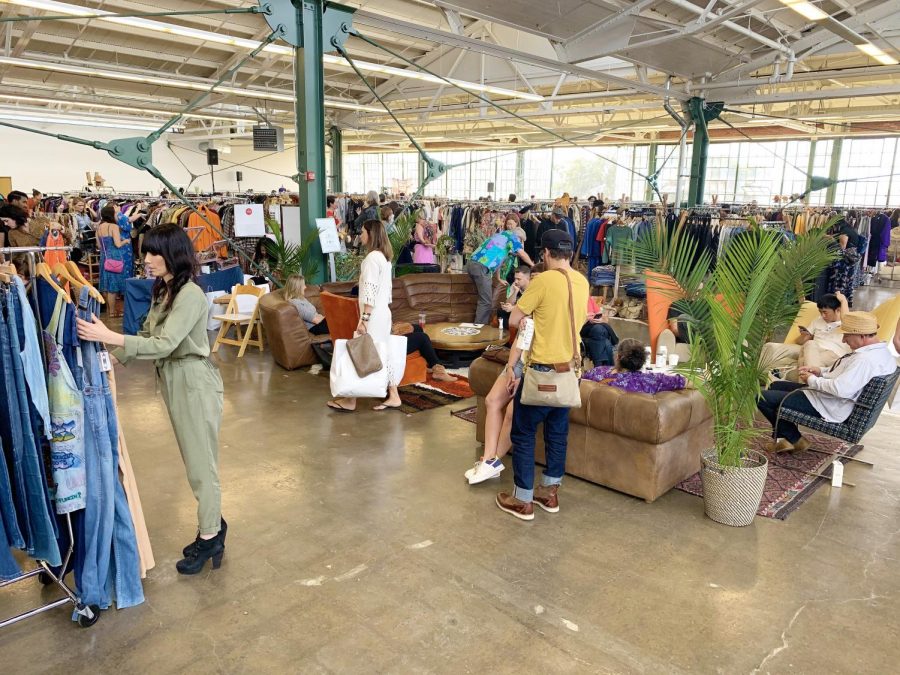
(514, 507)
(802, 445)
(546, 497)
(783, 445)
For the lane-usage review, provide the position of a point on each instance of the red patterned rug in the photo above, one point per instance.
(789, 483)
(459, 389)
(433, 394)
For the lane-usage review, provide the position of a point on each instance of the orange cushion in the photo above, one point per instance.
(416, 369)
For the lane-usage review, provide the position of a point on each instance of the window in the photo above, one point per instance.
(866, 165)
(538, 173)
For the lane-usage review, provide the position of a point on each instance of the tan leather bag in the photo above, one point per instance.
(557, 388)
(364, 355)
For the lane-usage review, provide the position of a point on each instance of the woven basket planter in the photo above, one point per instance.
(731, 494)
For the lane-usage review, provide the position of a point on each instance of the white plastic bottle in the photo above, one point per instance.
(662, 357)
(648, 357)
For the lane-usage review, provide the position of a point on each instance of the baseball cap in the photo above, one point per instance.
(559, 211)
(557, 240)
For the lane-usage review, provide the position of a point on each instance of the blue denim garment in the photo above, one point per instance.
(9, 568)
(47, 298)
(32, 362)
(526, 419)
(41, 528)
(11, 501)
(108, 529)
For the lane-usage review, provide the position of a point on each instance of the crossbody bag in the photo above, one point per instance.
(556, 388)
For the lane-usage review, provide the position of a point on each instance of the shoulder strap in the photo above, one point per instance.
(575, 352)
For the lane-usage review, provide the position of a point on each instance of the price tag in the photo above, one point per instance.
(105, 363)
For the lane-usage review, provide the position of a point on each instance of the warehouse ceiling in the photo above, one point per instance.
(587, 71)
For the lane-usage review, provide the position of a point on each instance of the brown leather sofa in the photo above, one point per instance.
(639, 444)
(442, 297)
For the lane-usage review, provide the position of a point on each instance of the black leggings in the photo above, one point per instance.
(320, 328)
(418, 341)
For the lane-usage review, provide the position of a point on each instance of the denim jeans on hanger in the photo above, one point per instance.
(111, 561)
(9, 568)
(32, 362)
(9, 503)
(34, 499)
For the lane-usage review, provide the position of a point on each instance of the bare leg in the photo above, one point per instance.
(496, 402)
(111, 304)
(504, 445)
(393, 399)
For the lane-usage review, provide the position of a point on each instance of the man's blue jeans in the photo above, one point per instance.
(526, 419)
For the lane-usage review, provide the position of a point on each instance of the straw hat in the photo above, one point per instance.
(859, 323)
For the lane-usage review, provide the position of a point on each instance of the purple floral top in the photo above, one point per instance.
(640, 382)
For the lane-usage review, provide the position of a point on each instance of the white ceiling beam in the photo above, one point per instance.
(366, 18)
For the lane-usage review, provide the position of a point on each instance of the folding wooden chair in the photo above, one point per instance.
(241, 320)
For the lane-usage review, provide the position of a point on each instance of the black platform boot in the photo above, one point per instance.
(204, 549)
(223, 530)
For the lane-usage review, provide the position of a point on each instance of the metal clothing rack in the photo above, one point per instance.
(87, 614)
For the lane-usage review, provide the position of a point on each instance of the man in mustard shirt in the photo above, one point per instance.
(547, 302)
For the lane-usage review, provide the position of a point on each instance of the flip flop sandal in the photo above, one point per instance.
(337, 407)
(382, 407)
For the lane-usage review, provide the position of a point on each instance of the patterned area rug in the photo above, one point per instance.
(467, 414)
(789, 482)
(433, 394)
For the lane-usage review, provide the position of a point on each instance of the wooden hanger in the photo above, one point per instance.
(43, 270)
(75, 275)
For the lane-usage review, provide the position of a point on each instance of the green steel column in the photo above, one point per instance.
(834, 170)
(651, 169)
(700, 153)
(520, 173)
(423, 169)
(811, 165)
(337, 159)
(309, 110)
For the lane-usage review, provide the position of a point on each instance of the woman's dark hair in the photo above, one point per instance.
(631, 355)
(329, 200)
(13, 212)
(378, 238)
(173, 244)
(108, 214)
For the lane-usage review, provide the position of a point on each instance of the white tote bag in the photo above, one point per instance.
(213, 309)
(397, 355)
(345, 381)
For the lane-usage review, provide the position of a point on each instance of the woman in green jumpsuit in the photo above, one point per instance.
(174, 337)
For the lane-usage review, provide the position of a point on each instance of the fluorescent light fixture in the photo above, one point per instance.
(231, 40)
(877, 53)
(805, 9)
(122, 108)
(75, 121)
(90, 71)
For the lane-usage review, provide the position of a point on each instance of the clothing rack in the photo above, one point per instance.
(87, 615)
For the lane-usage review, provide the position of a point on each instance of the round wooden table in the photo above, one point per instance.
(459, 346)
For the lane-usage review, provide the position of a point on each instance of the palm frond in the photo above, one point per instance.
(755, 289)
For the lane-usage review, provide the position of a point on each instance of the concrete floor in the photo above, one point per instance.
(355, 546)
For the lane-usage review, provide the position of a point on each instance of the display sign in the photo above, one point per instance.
(328, 235)
(249, 220)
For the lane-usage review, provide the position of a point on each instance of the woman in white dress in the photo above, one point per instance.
(375, 286)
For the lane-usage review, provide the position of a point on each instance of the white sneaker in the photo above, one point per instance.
(483, 471)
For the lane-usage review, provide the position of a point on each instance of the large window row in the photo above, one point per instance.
(737, 171)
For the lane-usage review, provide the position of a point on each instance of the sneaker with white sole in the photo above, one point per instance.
(483, 471)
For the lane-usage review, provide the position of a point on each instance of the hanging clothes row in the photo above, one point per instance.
(59, 412)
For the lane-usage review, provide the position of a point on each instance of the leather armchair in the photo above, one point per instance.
(639, 444)
(287, 335)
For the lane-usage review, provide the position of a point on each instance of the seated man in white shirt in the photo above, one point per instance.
(819, 344)
(832, 391)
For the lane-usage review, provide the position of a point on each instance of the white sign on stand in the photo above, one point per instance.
(328, 235)
(249, 220)
(290, 224)
(329, 241)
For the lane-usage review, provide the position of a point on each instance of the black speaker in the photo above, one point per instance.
(212, 157)
(239, 176)
(490, 187)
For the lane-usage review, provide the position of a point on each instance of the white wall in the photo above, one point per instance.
(55, 166)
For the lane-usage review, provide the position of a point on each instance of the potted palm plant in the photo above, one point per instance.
(732, 309)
